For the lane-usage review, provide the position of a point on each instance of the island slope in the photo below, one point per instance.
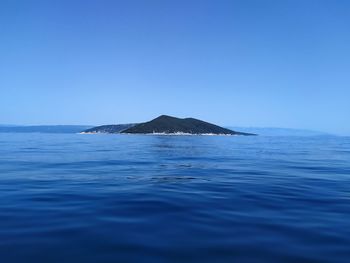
(114, 128)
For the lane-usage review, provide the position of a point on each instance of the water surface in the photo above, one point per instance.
(134, 198)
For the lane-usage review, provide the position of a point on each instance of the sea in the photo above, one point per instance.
(140, 198)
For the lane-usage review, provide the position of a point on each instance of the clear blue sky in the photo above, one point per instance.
(242, 63)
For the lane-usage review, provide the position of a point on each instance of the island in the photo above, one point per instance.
(167, 125)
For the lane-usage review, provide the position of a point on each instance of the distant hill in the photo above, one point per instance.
(43, 129)
(171, 125)
(116, 128)
(270, 131)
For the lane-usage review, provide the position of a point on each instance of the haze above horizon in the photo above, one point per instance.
(240, 63)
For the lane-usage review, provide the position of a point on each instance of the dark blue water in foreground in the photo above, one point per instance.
(125, 198)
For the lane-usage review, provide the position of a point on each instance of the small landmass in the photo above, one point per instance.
(167, 125)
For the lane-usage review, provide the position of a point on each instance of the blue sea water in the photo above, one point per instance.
(133, 198)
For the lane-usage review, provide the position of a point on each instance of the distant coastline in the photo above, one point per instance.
(82, 129)
(43, 128)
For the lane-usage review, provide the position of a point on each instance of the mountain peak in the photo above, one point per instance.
(165, 117)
